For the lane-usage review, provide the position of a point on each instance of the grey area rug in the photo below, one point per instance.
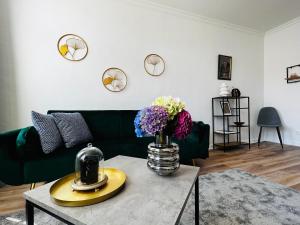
(227, 198)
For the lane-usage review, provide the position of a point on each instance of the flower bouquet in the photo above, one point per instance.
(165, 118)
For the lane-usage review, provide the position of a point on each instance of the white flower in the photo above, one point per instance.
(153, 60)
(117, 85)
(75, 43)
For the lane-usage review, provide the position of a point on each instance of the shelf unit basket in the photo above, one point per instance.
(229, 131)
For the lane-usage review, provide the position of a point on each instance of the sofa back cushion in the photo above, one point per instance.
(127, 123)
(107, 124)
(102, 124)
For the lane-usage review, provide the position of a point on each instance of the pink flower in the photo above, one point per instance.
(184, 125)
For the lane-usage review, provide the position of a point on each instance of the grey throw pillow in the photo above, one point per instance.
(48, 131)
(73, 128)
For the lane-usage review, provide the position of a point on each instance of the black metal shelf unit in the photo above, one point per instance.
(229, 128)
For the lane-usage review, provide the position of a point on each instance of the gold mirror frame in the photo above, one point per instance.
(74, 60)
(114, 68)
(161, 59)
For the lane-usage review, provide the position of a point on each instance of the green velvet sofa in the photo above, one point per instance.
(22, 160)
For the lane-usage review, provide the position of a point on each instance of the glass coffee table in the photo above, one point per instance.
(146, 198)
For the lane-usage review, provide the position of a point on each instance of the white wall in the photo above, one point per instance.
(121, 34)
(8, 106)
(282, 49)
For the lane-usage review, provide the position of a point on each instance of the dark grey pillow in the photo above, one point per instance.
(48, 131)
(73, 128)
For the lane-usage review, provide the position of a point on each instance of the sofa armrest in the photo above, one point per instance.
(200, 133)
(11, 169)
(197, 143)
(9, 135)
(204, 131)
(8, 141)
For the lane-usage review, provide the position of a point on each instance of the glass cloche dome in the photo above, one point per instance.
(88, 166)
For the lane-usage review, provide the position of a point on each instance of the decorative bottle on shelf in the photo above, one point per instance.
(224, 90)
(235, 93)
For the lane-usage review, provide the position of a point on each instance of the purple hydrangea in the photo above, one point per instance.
(153, 119)
(184, 125)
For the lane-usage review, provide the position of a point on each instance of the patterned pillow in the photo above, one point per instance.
(48, 132)
(73, 128)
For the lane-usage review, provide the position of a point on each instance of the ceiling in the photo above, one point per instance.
(261, 15)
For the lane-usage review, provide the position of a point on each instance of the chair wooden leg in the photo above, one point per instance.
(259, 136)
(279, 135)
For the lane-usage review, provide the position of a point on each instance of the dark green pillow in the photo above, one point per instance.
(28, 143)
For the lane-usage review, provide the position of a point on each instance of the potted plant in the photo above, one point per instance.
(164, 119)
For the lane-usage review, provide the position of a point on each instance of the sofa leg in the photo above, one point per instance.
(32, 186)
(194, 162)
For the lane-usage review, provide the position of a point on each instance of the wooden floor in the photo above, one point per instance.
(11, 198)
(269, 161)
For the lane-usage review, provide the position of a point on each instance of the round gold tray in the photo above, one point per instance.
(61, 191)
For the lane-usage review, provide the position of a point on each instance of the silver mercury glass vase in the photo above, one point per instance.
(163, 155)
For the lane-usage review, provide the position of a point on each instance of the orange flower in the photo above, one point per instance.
(108, 80)
(64, 49)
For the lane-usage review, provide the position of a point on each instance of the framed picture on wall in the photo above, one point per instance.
(293, 74)
(224, 67)
(225, 107)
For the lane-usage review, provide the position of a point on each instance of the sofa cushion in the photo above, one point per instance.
(72, 128)
(102, 124)
(127, 123)
(124, 146)
(51, 166)
(28, 143)
(109, 148)
(49, 134)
